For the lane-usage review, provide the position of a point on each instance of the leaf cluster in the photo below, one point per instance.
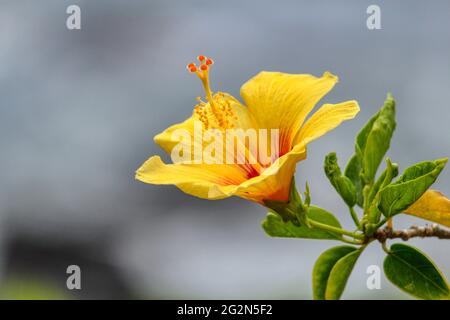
(380, 198)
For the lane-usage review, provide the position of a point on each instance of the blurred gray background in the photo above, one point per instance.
(79, 109)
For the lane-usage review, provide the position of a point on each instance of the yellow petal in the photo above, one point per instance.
(222, 180)
(283, 101)
(328, 117)
(203, 181)
(168, 139)
(432, 206)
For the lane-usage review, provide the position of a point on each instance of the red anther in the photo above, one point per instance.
(192, 67)
(209, 61)
(204, 67)
(201, 58)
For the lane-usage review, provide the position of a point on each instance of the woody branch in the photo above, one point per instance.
(427, 231)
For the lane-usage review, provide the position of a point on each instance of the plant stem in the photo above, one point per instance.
(358, 242)
(379, 224)
(385, 248)
(427, 231)
(366, 192)
(390, 224)
(355, 217)
(335, 230)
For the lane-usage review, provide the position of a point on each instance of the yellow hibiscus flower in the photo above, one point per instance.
(272, 100)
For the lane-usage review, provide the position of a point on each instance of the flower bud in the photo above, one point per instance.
(343, 185)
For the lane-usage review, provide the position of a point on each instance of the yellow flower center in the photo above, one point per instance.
(217, 111)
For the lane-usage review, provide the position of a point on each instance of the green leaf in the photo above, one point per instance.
(343, 185)
(323, 266)
(352, 172)
(371, 145)
(339, 275)
(416, 179)
(413, 272)
(274, 225)
(377, 140)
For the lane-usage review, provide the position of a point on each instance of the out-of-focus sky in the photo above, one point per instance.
(79, 109)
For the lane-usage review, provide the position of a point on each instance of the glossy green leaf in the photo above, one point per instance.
(339, 275)
(274, 225)
(323, 267)
(416, 179)
(413, 272)
(378, 140)
(342, 184)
